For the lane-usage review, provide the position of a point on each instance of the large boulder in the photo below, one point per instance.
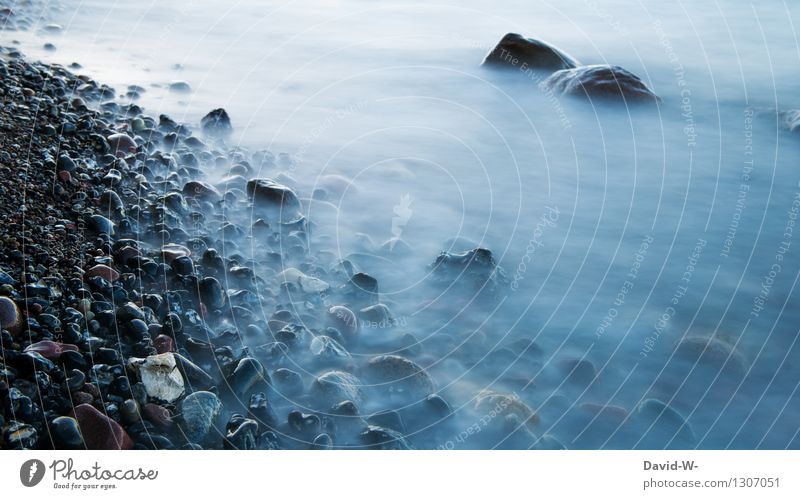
(517, 52)
(600, 82)
(400, 376)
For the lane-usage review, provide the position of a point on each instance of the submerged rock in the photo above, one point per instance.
(272, 197)
(333, 387)
(216, 123)
(517, 52)
(476, 267)
(600, 82)
(400, 376)
(494, 404)
(375, 437)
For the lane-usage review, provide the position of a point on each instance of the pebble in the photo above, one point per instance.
(99, 431)
(10, 316)
(50, 349)
(103, 271)
(66, 433)
(160, 375)
(198, 412)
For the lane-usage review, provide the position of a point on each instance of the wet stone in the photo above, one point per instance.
(524, 54)
(99, 431)
(198, 412)
(66, 433)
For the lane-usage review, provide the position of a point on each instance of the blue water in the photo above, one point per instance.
(672, 222)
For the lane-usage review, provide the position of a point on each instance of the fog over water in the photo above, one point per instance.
(649, 253)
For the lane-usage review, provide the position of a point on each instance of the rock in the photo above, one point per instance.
(241, 433)
(10, 316)
(103, 271)
(193, 374)
(100, 225)
(19, 436)
(577, 371)
(663, 426)
(160, 376)
(378, 316)
(99, 431)
(179, 87)
(711, 352)
(475, 268)
(211, 293)
(201, 190)
(287, 382)
(121, 144)
(333, 387)
(600, 82)
(494, 404)
(343, 320)
(516, 52)
(328, 350)
(273, 198)
(158, 415)
(50, 349)
(375, 437)
(66, 433)
(399, 376)
(216, 123)
(173, 251)
(198, 412)
(163, 344)
(248, 373)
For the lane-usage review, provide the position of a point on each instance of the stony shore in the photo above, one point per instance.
(131, 318)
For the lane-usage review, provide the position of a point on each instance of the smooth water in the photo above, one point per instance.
(621, 231)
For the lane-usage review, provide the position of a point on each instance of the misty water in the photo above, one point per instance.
(648, 252)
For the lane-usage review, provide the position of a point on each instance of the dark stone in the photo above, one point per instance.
(99, 431)
(217, 123)
(601, 83)
(66, 433)
(516, 52)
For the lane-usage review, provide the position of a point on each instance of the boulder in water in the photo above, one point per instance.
(517, 52)
(600, 82)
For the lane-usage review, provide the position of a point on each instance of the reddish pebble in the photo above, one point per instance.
(64, 176)
(99, 431)
(35, 308)
(163, 344)
(103, 271)
(158, 415)
(50, 349)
